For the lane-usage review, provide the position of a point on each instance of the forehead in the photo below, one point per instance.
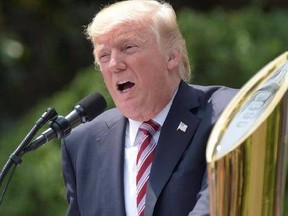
(124, 32)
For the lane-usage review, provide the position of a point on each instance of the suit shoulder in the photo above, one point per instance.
(98, 126)
(213, 99)
(216, 93)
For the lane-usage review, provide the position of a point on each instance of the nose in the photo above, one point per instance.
(117, 63)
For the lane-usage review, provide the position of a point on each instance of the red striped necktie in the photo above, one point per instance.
(144, 161)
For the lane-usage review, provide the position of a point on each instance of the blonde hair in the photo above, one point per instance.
(160, 16)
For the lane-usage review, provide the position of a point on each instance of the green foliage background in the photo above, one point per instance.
(225, 48)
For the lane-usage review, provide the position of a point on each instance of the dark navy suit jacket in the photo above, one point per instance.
(93, 159)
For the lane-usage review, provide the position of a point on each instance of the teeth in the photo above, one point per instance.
(122, 82)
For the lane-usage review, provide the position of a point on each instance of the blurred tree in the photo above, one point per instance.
(42, 46)
(229, 47)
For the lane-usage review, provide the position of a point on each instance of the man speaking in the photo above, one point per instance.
(147, 155)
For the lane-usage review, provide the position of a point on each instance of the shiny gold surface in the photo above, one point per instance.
(246, 151)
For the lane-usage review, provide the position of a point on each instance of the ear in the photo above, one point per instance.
(174, 57)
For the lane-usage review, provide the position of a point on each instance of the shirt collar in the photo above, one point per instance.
(133, 125)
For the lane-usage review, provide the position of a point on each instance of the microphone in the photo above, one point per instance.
(85, 110)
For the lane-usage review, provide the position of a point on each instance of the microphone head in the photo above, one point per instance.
(92, 105)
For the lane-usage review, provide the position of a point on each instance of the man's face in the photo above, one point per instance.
(137, 74)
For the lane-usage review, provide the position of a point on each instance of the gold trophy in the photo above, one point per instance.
(246, 151)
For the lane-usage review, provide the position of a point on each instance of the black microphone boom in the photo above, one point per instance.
(85, 110)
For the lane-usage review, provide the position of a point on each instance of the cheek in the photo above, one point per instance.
(107, 79)
(156, 74)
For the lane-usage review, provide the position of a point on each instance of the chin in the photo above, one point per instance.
(126, 110)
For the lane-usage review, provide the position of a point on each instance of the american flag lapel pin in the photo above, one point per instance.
(182, 126)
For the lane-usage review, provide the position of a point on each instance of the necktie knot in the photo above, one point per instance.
(149, 127)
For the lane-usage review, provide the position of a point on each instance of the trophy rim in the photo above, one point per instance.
(214, 150)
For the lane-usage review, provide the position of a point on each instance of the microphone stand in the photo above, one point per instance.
(59, 128)
(15, 157)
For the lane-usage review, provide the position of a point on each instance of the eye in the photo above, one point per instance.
(130, 48)
(104, 57)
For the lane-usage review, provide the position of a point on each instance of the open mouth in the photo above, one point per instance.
(125, 86)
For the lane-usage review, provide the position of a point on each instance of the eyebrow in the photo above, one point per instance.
(122, 40)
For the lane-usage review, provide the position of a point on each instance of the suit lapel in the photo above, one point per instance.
(112, 182)
(176, 134)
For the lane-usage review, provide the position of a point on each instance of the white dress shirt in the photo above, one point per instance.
(131, 150)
